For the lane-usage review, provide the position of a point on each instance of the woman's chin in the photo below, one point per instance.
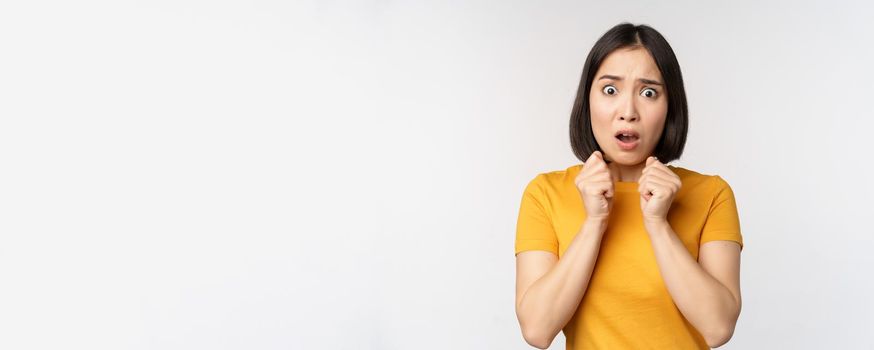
(626, 159)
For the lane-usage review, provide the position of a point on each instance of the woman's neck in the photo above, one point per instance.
(625, 173)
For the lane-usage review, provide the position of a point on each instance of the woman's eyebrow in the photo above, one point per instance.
(650, 81)
(642, 80)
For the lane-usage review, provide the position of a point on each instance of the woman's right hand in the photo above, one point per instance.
(595, 184)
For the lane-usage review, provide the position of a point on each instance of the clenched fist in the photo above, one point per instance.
(657, 186)
(595, 184)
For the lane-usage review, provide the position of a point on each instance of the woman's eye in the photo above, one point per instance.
(648, 92)
(609, 90)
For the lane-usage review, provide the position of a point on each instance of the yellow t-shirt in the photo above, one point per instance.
(627, 305)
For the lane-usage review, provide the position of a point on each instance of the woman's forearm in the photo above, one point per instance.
(551, 301)
(704, 301)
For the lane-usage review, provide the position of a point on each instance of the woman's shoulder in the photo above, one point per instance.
(551, 180)
(558, 176)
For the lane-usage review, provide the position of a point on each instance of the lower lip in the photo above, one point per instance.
(627, 146)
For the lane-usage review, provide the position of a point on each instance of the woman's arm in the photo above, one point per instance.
(707, 292)
(549, 290)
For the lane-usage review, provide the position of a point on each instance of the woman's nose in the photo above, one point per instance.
(629, 113)
(631, 117)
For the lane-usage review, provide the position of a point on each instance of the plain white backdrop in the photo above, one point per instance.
(347, 174)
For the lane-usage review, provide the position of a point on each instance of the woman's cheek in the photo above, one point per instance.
(656, 122)
(600, 120)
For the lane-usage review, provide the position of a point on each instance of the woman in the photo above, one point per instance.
(624, 251)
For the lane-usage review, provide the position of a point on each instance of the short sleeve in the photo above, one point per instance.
(722, 221)
(534, 230)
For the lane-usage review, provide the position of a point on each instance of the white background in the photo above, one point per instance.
(347, 175)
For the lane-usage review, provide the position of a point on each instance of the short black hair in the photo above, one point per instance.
(625, 35)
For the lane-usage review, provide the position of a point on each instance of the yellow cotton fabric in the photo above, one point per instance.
(627, 305)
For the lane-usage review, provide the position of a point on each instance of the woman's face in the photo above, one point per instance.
(628, 94)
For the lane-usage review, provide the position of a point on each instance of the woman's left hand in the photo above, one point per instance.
(658, 186)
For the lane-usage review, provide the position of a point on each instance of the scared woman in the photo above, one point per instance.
(625, 251)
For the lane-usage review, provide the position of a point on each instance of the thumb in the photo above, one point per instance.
(594, 155)
(650, 160)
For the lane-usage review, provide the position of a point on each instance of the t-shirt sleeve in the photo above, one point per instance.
(722, 220)
(534, 230)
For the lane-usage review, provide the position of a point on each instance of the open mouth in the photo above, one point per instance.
(627, 135)
(627, 139)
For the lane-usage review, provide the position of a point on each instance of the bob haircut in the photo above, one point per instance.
(627, 35)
